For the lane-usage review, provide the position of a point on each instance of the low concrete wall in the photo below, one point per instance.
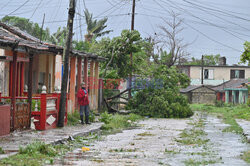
(4, 119)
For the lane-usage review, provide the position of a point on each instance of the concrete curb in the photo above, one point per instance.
(60, 136)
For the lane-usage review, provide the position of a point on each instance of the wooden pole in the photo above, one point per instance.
(62, 106)
(202, 68)
(13, 95)
(131, 55)
(30, 86)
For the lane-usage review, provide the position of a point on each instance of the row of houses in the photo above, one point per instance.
(227, 83)
(30, 80)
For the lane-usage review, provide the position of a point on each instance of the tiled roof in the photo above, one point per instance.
(10, 36)
(234, 83)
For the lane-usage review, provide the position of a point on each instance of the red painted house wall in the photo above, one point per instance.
(4, 119)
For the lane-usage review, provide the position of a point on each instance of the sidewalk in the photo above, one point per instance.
(11, 143)
(245, 125)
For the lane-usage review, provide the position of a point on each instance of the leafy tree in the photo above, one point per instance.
(95, 28)
(26, 25)
(245, 57)
(161, 98)
(59, 37)
(117, 51)
(208, 60)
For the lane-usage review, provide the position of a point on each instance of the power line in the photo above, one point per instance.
(180, 8)
(36, 9)
(19, 7)
(202, 32)
(217, 16)
(217, 10)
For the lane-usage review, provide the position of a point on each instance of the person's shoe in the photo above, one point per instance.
(82, 120)
(88, 123)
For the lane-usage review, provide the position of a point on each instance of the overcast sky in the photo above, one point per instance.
(212, 26)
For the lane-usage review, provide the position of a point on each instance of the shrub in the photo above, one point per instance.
(118, 121)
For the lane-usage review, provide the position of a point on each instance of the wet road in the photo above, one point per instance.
(160, 142)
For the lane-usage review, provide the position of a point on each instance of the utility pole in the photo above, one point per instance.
(202, 69)
(66, 51)
(131, 55)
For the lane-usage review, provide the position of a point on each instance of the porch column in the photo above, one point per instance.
(227, 96)
(13, 95)
(72, 84)
(96, 85)
(22, 79)
(234, 96)
(91, 84)
(79, 73)
(30, 86)
(241, 100)
(79, 79)
(86, 72)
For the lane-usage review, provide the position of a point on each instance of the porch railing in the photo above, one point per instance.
(45, 108)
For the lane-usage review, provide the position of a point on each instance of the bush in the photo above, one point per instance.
(118, 121)
(219, 103)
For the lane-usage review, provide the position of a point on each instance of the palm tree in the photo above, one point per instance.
(94, 27)
(59, 37)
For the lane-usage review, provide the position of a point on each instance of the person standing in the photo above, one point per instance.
(83, 101)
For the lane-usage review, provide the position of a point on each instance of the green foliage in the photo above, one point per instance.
(117, 51)
(34, 105)
(1, 150)
(73, 118)
(118, 122)
(245, 57)
(208, 60)
(38, 147)
(26, 25)
(228, 113)
(164, 102)
(246, 156)
(95, 28)
(59, 37)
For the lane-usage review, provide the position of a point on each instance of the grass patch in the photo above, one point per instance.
(171, 151)
(246, 156)
(228, 114)
(118, 122)
(36, 153)
(145, 134)
(1, 151)
(122, 150)
(193, 136)
(73, 118)
(191, 162)
(39, 153)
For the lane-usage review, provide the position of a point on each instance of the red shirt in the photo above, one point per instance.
(83, 98)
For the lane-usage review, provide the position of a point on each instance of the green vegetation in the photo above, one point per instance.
(245, 57)
(171, 151)
(73, 118)
(194, 136)
(36, 153)
(228, 114)
(192, 162)
(162, 99)
(208, 60)
(145, 134)
(118, 122)
(39, 153)
(246, 156)
(1, 150)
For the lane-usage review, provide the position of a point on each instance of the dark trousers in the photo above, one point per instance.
(85, 109)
